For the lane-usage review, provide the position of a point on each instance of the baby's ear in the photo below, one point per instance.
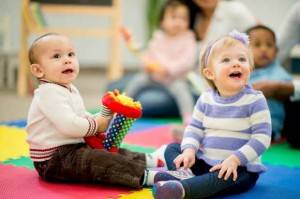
(36, 70)
(208, 73)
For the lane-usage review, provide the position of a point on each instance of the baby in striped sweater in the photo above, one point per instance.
(229, 130)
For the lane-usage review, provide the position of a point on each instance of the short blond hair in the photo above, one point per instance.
(209, 51)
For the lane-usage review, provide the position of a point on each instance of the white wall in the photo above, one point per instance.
(269, 12)
(11, 9)
(93, 52)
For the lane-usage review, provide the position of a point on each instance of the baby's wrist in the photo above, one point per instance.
(235, 159)
(189, 151)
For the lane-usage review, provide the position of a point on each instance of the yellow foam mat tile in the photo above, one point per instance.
(142, 194)
(13, 143)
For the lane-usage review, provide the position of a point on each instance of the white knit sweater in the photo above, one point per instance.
(56, 117)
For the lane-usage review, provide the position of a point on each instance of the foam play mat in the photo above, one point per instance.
(19, 180)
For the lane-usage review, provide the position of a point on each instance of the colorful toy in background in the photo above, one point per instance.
(132, 45)
(127, 111)
(136, 49)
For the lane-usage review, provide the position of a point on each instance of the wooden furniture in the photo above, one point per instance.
(110, 8)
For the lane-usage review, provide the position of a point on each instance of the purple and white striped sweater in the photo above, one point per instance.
(239, 125)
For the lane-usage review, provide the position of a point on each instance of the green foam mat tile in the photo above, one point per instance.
(162, 120)
(282, 154)
(137, 148)
(20, 162)
(94, 110)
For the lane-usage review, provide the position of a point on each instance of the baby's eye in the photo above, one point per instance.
(242, 59)
(56, 56)
(257, 44)
(71, 54)
(225, 60)
(270, 45)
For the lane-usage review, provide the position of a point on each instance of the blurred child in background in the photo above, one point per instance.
(269, 74)
(169, 57)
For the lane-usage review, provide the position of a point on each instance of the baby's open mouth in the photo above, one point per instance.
(235, 75)
(69, 70)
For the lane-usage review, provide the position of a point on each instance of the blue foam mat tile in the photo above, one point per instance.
(140, 125)
(277, 182)
(16, 123)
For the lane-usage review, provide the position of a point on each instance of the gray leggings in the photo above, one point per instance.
(80, 163)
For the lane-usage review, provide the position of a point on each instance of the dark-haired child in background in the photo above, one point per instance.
(267, 72)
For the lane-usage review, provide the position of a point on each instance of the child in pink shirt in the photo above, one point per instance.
(171, 54)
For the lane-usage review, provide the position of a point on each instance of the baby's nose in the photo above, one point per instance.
(67, 60)
(236, 65)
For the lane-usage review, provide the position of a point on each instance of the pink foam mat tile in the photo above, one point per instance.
(154, 137)
(23, 183)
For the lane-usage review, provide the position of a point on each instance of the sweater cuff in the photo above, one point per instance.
(186, 146)
(105, 112)
(242, 157)
(93, 126)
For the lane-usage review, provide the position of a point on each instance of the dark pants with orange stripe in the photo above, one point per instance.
(80, 163)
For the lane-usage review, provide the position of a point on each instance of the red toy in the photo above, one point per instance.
(127, 112)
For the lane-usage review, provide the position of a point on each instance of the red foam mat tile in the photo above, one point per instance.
(23, 183)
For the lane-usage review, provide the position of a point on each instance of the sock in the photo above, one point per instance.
(149, 177)
(160, 155)
(165, 189)
(155, 160)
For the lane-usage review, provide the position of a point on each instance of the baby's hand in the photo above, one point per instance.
(116, 92)
(187, 158)
(227, 167)
(103, 122)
